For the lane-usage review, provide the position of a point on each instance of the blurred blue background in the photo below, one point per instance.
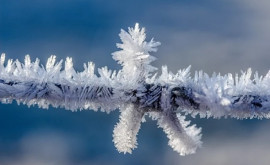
(211, 35)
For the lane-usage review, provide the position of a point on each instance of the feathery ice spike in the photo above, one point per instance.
(136, 91)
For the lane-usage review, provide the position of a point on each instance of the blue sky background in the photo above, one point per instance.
(211, 35)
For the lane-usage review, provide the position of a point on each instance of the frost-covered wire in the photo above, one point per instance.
(136, 90)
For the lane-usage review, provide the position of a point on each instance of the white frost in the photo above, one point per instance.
(137, 91)
(124, 133)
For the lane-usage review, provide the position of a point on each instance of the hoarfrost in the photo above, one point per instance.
(137, 91)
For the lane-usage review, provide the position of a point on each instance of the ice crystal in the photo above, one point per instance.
(137, 91)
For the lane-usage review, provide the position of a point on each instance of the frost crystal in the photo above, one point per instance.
(136, 93)
(134, 54)
(124, 133)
